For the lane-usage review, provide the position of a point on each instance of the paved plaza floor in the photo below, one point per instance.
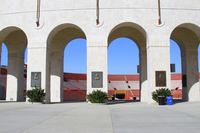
(94, 118)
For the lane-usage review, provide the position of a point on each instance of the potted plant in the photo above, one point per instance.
(160, 95)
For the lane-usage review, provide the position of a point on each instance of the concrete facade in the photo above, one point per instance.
(64, 20)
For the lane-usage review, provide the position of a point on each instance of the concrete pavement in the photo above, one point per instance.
(94, 118)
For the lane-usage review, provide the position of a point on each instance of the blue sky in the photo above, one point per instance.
(123, 56)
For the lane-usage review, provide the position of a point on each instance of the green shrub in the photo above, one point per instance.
(35, 95)
(97, 96)
(161, 92)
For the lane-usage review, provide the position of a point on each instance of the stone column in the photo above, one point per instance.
(15, 77)
(37, 62)
(191, 91)
(184, 80)
(143, 76)
(56, 76)
(158, 59)
(97, 62)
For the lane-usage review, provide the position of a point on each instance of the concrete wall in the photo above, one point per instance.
(133, 16)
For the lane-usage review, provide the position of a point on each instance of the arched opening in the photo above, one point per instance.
(187, 37)
(123, 61)
(129, 85)
(16, 42)
(75, 70)
(3, 70)
(61, 36)
(176, 70)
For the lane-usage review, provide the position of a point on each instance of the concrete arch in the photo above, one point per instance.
(11, 33)
(58, 38)
(58, 35)
(187, 35)
(16, 41)
(129, 30)
(192, 25)
(136, 33)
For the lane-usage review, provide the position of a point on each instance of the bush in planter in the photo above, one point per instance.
(163, 92)
(97, 96)
(35, 95)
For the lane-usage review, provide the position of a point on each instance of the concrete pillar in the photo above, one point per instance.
(143, 76)
(184, 79)
(191, 91)
(158, 59)
(37, 62)
(15, 77)
(47, 83)
(97, 62)
(56, 76)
